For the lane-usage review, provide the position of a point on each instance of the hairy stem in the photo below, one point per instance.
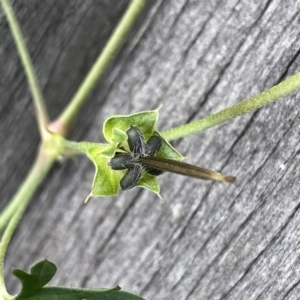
(13, 213)
(68, 115)
(22, 197)
(41, 112)
(278, 91)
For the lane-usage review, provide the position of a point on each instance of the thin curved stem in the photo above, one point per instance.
(41, 112)
(34, 178)
(278, 91)
(14, 212)
(70, 112)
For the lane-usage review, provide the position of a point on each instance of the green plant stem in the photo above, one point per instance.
(18, 205)
(278, 91)
(41, 112)
(70, 112)
(3, 247)
(22, 197)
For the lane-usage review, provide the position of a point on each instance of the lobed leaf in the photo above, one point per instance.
(40, 274)
(33, 287)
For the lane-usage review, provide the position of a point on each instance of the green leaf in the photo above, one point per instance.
(33, 287)
(145, 121)
(65, 293)
(40, 274)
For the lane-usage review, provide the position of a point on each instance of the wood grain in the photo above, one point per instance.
(236, 241)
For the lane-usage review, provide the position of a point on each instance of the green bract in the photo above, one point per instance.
(107, 181)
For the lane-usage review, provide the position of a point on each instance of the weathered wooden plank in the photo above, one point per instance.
(196, 57)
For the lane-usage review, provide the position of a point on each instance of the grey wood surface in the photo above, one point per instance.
(205, 240)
